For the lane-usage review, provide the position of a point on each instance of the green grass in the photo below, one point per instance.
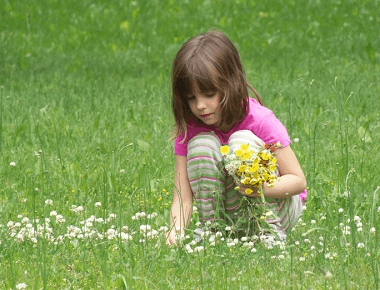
(86, 96)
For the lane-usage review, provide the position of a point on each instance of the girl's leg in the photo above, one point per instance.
(206, 174)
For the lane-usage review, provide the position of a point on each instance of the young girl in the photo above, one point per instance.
(212, 108)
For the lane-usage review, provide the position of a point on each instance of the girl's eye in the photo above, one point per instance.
(210, 95)
(190, 98)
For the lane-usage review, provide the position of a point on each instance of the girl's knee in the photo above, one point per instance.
(245, 136)
(205, 140)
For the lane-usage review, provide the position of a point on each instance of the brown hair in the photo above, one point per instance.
(211, 63)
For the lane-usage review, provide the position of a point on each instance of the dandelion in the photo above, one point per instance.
(224, 150)
(13, 164)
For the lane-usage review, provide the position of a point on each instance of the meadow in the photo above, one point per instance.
(87, 165)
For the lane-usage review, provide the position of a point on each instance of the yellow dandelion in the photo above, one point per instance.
(237, 188)
(248, 191)
(244, 147)
(239, 153)
(247, 155)
(253, 168)
(224, 149)
(242, 168)
(246, 180)
(272, 167)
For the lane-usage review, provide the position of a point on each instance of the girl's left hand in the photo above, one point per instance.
(243, 187)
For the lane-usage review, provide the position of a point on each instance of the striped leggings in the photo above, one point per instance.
(214, 190)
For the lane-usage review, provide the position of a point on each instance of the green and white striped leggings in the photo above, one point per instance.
(213, 188)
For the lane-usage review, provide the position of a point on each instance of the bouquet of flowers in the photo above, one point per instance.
(252, 168)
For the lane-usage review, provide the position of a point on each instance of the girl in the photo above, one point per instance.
(212, 108)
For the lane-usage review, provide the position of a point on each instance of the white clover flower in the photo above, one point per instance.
(359, 225)
(112, 216)
(372, 230)
(328, 275)
(360, 245)
(323, 217)
(152, 215)
(145, 228)
(281, 257)
(253, 250)
(99, 220)
(98, 204)
(296, 140)
(25, 220)
(357, 218)
(360, 230)
(163, 229)
(302, 259)
(10, 225)
(60, 219)
(122, 171)
(21, 286)
(53, 213)
(195, 209)
(296, 243)
(378, 209)
(340, 210)
(312, 248)
(307, 241)
(346, 230)
(199, 249)
(313, 222)
(228, 228)
(346, 194)
(198, 224)
(13, 164)
(48, 202)
(244, 239)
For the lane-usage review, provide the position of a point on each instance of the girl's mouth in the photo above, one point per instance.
(206, 115)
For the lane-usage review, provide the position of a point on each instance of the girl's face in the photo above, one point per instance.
(205, 106)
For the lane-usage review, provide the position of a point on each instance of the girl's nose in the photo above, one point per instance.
(201, 104)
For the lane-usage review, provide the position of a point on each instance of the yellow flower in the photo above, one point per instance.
(248, 191)
(253, 168)
(274, 160)
(272, 167)
(247, 155)
(224, 149)
(246, 180)
(237, 188)
(244, 147)
(242, 168)
(264, 155)
(239, 153)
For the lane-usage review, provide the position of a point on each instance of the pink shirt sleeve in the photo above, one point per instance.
(180, 148)
(271, 130)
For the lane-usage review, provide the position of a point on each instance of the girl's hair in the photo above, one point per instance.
(211, 63)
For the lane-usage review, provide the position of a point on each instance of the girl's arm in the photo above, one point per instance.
(292, 180)
(182, 206)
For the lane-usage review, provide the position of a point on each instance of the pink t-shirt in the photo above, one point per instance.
(259, 119)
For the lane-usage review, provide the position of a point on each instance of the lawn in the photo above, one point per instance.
(87, 164)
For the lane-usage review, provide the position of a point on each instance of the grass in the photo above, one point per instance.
(85, 116)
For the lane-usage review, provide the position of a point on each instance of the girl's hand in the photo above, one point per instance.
(243, 187)
(170, 238)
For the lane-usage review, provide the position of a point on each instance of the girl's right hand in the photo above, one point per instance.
(170, 238)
